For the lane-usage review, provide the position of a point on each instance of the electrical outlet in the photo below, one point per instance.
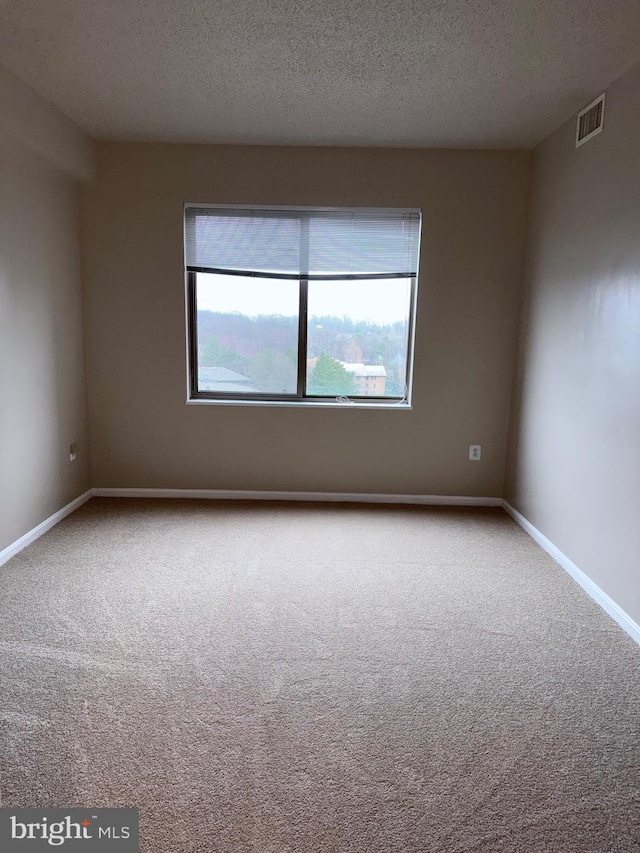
(475, 452)
(73, 451)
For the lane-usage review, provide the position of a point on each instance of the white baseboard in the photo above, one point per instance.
(11, 550)
(592, 589)
(328, 497)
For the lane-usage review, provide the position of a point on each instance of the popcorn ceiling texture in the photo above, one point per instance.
(423, 73)
(310, 679)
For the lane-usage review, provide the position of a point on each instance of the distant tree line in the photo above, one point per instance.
(265, 349)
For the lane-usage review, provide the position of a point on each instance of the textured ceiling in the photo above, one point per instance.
(436, 73)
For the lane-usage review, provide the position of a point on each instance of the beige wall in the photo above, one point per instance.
(143, 434)
(43, 402)
(574, 457)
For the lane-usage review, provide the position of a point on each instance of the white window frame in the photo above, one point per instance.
(198, 397)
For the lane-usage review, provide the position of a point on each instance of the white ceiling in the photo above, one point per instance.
(426, 73)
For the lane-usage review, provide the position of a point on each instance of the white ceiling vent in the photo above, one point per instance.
(590, 121)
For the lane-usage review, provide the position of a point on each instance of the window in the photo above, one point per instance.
(301, 305)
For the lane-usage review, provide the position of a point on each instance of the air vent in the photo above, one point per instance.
(590, 121)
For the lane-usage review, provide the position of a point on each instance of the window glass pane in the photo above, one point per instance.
(247, 334)
(357, 337)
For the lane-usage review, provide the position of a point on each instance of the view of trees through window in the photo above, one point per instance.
(247, 333)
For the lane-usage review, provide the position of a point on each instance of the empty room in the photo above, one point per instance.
(320, 426)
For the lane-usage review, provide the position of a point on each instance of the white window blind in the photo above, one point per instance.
(304, 242)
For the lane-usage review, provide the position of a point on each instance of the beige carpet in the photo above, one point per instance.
(317, 679)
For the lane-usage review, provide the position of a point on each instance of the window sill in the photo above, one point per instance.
(301, 405)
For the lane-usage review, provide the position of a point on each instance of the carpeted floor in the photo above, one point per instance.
(317, 679)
